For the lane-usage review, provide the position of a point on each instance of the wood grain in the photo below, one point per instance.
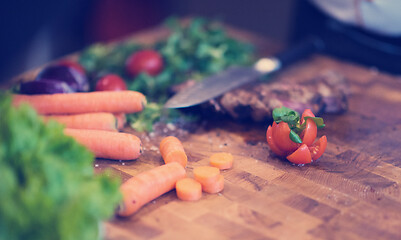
(352, 192)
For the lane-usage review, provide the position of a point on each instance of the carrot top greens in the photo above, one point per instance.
(48, 188)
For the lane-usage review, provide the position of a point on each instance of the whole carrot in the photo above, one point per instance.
(106, 144)
(97, 121)
(146, 186)
(172, 150)
(84, 102)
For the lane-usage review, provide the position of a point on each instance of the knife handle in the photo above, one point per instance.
(301, 50)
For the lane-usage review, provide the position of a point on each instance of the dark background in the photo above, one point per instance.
(35, 32)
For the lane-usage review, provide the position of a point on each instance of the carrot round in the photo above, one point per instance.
(146, 186)
(98, 121)
(188, 189)
(121, 120)
(106, 144)
(222, 160)
(172, 150)
(84, 102)
(214, 187)
(206, 175)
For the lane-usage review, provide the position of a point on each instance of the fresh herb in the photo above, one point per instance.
(292, 118)
(48, 188)
(192, 51)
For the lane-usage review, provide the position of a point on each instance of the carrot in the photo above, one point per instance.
(106, 144)
(84, 102)
(121, 120)
(146, 186)
(214, 187)
(188, 189)
(172, 150)
(99, 121)
(221, 160)
(206, 175)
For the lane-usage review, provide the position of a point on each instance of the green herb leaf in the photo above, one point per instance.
(287, 115)
(192, 51)
(295, 137)
(318, 120)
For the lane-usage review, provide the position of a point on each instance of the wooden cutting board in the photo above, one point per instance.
(352, 192)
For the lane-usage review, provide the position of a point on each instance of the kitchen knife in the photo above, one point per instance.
(234, 77)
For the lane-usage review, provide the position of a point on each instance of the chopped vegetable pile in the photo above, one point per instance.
(192, 51)
(48, 188)
(294, 136)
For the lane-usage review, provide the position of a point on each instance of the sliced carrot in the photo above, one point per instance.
(106, 144)
(98, 121)
(146, 186)
(188, 189)
(84, 102)
(214, 187)
(222, 160)
(121, 120)
(206, 175)
(172, 150)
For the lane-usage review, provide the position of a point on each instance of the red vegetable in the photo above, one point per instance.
(281, 135)
(76, 81)
(111, 82)
(72, 64)
(295, 137)
(272, 144)
(147, 61)
(301, 156)
(318, 148)
(44, 87)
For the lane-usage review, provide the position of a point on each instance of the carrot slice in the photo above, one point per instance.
(84, 102)
(222, 160)
(206, 175)
(99, 121)
(106, 144)
(214, 187)
(188, 189)
(172, 150)
(146, 186)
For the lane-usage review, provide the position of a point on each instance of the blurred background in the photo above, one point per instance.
(36, 32)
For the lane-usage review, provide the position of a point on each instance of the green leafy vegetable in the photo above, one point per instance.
(191, 51)
(48, 188)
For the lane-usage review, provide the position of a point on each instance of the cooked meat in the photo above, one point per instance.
(326, 93)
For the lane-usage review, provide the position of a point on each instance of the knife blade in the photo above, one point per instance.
(235, 77)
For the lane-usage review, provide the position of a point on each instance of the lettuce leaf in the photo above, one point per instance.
(48, 189)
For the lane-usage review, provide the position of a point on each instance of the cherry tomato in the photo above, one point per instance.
(147, 61)
(318, 148)
(111, 82)
(281, 136)
(309, 134)
(272, 144)
(72, 64)
(301, 156)
(307, 113)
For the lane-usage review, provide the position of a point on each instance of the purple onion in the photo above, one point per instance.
(44, 87)
(77, 81)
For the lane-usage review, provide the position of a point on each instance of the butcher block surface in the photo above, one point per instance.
(352, 192)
